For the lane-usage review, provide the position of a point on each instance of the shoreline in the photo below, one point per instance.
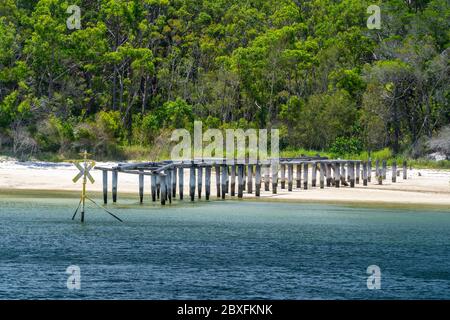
(129, 196)
(424, 188)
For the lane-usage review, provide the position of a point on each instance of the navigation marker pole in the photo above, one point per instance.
(84, 172)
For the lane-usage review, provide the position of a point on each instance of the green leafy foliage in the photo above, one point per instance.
(140, 68)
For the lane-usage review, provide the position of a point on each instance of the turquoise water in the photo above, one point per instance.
(222, 250)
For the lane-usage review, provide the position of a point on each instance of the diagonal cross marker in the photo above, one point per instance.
(84, 173)
(84, 170)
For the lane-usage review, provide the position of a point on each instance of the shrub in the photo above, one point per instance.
(346, 146)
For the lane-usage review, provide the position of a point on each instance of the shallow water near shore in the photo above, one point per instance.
(222, 250)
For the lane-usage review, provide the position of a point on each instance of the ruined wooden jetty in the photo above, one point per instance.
(167, 178)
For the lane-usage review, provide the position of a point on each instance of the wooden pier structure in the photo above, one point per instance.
(234, 177)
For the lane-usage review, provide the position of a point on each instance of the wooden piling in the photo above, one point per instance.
(244, 176)
(290, 176)
(224, 180)
(207, 182)
(105, 186)
(305, 175)
(153, 187)
(357, 172)
(274, 168)
(192, 182)
(169, 185)
(240, 180)
(199, 181)
(250, 178)
(162, 186)
(329, 178)
(384, 169)
(314, 174)
(233, 181)
(283, 176)
(405, 172)
(337, 174)
(174, 182)
(227, 179)
(351, 171)
(141, 186)
(343, 174)
(217, 167)
(394, 171)
(364, 173)
(369, 170)
(257, 180)
(322, 174)
(267, 178)
(181, 182)
(115, 176)
(158, 186)
(298, 176)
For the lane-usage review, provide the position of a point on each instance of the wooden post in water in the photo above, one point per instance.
(192, 182)
(314, 174)
(153, 187)
(351, 171)
(227, 178)
(364, 174)
(322, 174)
(174, 182)
(394, 171)
(105, 186)
(115, 176)
(250, 178)
(257, 180)
(274, 177)
(169, 185)
(369, 170)
(337, 174)
(299, 176)
(162, 185)
(233, 180)
(358, 172)
(199, 181)
(217, 167)
(305, 175)
(207, 181)
(224, 180)
(283, 176)
(244, 176)
(141, 186)
(267, 178)
(158, 185)
(290, 176)
(405, 172)
(180, 182)
(240, 180)
(384, 169)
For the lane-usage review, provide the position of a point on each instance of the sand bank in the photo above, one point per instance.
(423, 187)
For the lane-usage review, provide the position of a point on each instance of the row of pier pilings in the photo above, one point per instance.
(235, 177)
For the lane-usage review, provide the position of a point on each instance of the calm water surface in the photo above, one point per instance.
(222, 250)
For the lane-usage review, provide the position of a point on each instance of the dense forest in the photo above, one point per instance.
(136, 69)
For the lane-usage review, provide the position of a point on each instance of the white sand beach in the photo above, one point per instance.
(423, 187)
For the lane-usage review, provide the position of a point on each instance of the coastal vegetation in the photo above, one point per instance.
(137, 69)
